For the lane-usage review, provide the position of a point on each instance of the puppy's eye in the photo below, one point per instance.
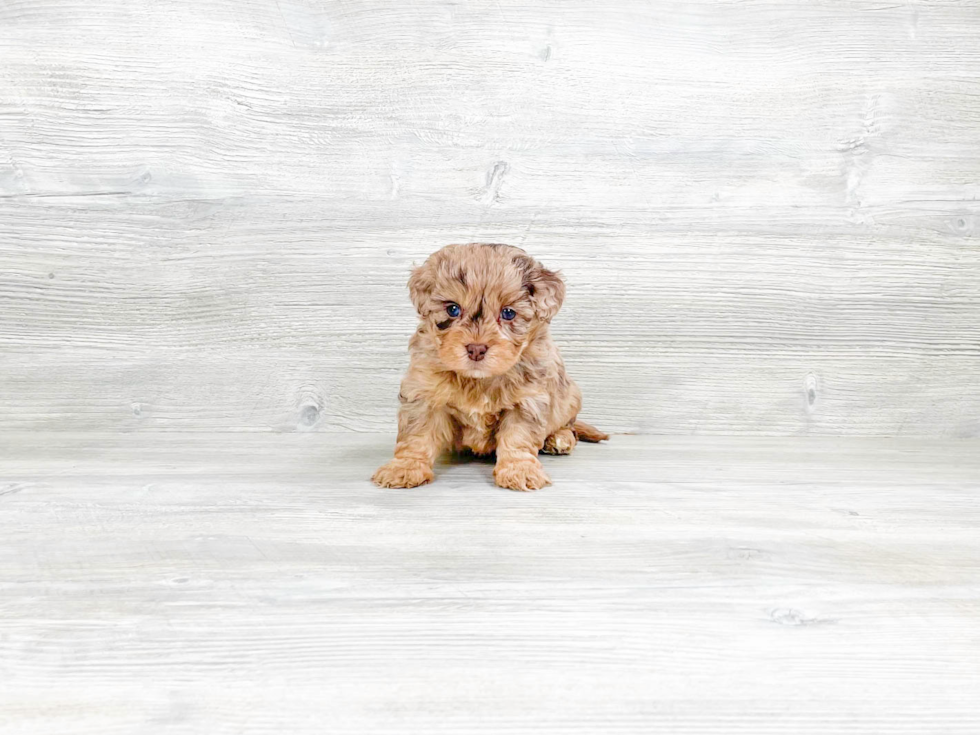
(507, 314)
(453, 310)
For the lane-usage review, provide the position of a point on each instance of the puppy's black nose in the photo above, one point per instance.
(476, 352)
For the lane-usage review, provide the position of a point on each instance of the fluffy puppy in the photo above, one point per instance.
(484, 374)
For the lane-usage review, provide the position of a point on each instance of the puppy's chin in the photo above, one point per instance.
(483, 369)
(474, 372)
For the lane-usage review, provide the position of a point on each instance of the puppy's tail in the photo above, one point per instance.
(588, 433)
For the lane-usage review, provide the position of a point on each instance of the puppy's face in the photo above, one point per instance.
(480, 305)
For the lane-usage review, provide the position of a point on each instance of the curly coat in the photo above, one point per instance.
(484, 374)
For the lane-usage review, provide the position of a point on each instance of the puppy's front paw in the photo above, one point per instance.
(521, 474)
(402, 473)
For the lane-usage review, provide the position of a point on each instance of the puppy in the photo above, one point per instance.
(484, 374)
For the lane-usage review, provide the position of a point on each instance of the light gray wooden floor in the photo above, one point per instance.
(208, 583)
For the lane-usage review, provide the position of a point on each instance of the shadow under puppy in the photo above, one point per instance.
(484, 374)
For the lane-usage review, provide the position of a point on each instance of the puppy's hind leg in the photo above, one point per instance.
(562, 441)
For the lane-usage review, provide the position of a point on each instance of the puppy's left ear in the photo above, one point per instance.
(547, 290)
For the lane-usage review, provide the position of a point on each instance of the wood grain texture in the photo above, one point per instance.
(257, 583)
(766, 213)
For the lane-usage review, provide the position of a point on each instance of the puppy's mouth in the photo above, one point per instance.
(478, 362)
(475, 371)
(473, 356)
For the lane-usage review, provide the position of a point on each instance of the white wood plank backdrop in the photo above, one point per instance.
(767, 212)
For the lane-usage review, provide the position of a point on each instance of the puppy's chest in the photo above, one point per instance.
(477, 417)
(476, 431)
(481, 414)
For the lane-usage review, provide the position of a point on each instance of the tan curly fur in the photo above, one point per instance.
(514, 399)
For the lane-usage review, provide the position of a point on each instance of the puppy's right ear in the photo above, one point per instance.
(420, 285)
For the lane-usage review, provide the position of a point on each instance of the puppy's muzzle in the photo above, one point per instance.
(476, 352)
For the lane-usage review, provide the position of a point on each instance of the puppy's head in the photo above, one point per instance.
(480, 305)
